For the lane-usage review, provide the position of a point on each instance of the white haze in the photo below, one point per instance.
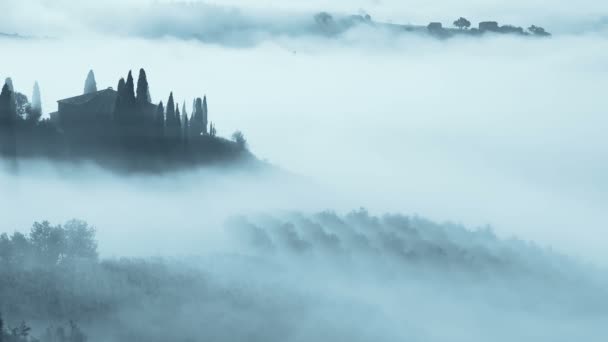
(158, 17)
(498, 131)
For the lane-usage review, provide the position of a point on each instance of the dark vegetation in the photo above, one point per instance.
(328, 25)
(119, 129)
(278, 273)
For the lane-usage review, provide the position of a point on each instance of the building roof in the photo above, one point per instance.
(108, 94)
(102, 101)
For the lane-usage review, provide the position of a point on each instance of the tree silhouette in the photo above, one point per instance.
(178, 123)
(197, 118)
(159, 121)
(240, 140)
(212, 130)
(205, 114)
(462, 23)
(9, 83)
(129, 93)
(8, 121)
(121, 85)
(538, 31)
(185, 128)
(173, 126)
(90, 85)
(143, 89)
(8, 112)
(35, 111)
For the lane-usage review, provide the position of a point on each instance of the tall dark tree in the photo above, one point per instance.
(35, 111)
(173, 127)
(9, 83)
(129, 94)
(8, 120)
(8, 110)
(170, 111)
(143, 89)
(212, 130)
(121, 86)
(90, 85)
(185, 128)
(196, 124)
(159, 121)
(119, 107)
(205, 114)
(462, 23)
(178, 120)
(184, 112)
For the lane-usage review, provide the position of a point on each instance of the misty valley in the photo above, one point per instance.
(246, 170)
(294, 276)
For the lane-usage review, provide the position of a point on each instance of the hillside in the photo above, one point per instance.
(118, 129)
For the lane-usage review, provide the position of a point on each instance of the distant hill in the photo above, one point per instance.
(328, 25)
(13, 36)
(118, 129)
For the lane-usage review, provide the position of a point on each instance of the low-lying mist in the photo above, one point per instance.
(503, 136)
(499, 130)
(303, 277)
(248, 23)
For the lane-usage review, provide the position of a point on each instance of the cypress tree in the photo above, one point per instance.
(119, 107)
(9, 83)
(8, 119)
(143, 89)
(171, 121)
(193, 109)
(159, 121)
(186, 129)
(90, 85)
(205, 114)
(121, 86)
(36, 108)
(196, 123)
(8, 112)
(129, 90)
(178, 121)
(170, 111)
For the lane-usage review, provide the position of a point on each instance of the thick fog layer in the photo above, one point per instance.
(246, 22)
(502, 135)
(501, 131)
(311, 277)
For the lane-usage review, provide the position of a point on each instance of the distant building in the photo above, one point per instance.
(94, 106)
(90, 108)
(435, 26)
(491, 26)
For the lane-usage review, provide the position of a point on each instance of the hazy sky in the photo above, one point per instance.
(499, 130)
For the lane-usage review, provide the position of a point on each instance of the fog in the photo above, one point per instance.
(237, 22)
(464, 130)
(500, 135)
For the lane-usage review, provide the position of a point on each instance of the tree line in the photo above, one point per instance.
(140, 134)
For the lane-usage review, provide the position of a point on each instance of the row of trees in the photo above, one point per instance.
(135, 114)
(121, 128)
(22, 333)
(48, 245)
(132, 108)
(464, 24)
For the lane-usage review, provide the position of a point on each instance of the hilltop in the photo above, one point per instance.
(118, 129)
(329, 25)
